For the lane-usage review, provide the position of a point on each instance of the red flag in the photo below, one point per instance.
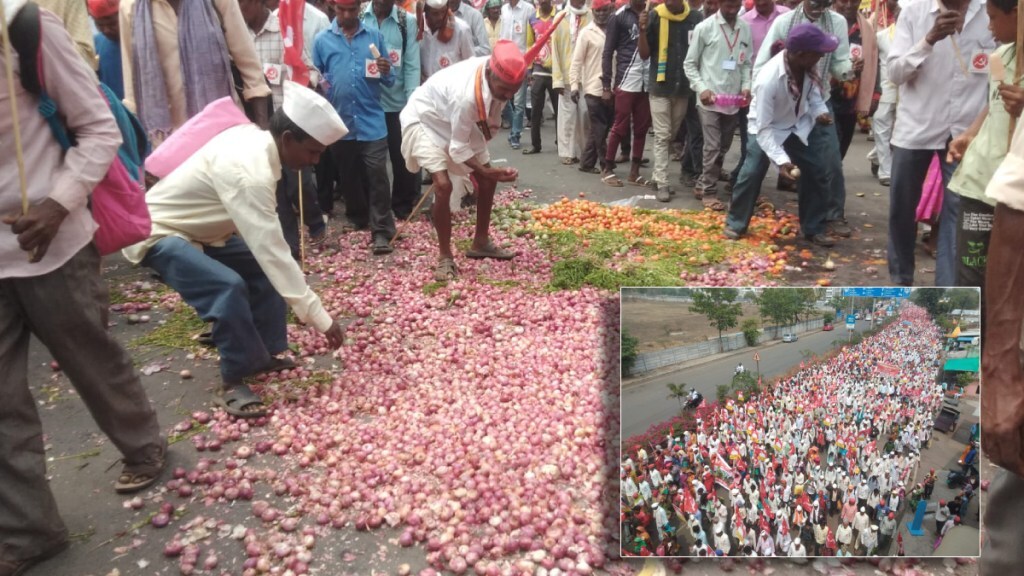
(290, 14)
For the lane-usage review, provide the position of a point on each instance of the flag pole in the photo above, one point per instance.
(9, 69)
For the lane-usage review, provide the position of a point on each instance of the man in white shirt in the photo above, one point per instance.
(445, 130)
(787, 103)
(885, 114)
(446, 39)
(217, 241)
(571, 121)
(515, 19)
(475, 20)
(939, 61)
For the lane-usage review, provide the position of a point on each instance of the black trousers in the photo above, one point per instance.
(365, 185)
(973, 231)
(846, 126)
(601, 116)
(541, 86)
(405, 186)
(288, 207)
(326, 181)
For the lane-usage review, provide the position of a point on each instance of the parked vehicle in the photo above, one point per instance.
(828, 328)
(789, 337)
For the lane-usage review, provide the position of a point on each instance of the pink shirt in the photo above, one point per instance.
(66, 178)
(759, 25)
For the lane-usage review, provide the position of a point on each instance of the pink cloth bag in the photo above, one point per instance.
(217, 117)
(930, 206)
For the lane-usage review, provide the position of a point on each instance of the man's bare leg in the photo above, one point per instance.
(441, 212)
(484, 204)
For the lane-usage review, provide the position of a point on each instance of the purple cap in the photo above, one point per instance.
(807, 37)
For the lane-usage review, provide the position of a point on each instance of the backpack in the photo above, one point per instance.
(118, 202)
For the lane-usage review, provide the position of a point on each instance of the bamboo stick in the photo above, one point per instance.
(430, 192)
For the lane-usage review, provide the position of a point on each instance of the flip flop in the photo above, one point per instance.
(716, 205)
(612, 180)
(591, 170)
(640, 181)
(490, 251)
(277, 364)
(446, 270)
(235, 398)
(206, 339)
(136, 476)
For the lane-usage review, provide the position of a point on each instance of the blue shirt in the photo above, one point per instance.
(344, 67)
(109, 53)
(405, 63)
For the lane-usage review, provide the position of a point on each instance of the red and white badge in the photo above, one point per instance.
(371, 68)
(444, 62)
(743, 57)
(395, 56)
(273, 72)
(856, 52)
(979, 63)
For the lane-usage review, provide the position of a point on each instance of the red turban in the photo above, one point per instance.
(102, 8)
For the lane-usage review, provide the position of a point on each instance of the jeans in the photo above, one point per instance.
(368, 197)
(66, 310)
(405, 186)
(973, 232)
(945, 257)
(666, 115)
(744, 125)
(518, 103)
(601, 116)
(825, 140)
(226, 286)
(812, 203)
(693, 155)
(909, 169)
(541, 86)
(633, 106)
(288, 207)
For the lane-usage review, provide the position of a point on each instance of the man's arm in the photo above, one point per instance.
(764, 113)
(607, 56)
(243, 54)
(124, 16)
(481, 43)
(691, 65)
(908, 51)
(747, 67)
(775, 33)
(841, 66)
(559, 45)
(649, 29)
(411, 66)
(579, 54)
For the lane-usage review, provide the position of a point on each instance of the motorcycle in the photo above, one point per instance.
(695, 402)
(956, 480)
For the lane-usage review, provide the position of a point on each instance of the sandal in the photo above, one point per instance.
(235, 398)
(640, 181)
(490, 251)
(136, 476)
(713, 204)
(206, 339)
(446, 270)
(277, 364)
(568, 161)
(612, 180)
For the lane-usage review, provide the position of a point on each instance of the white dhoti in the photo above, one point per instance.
(573, 126)
(420, 151)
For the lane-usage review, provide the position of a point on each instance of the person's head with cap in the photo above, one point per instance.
(304, 127)
(493, 10)
(347, 13)
(436, 13)
(806, 44)
(104, 14)
(506, 68)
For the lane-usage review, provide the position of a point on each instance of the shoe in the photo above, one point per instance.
(822, 240)
(663, 194)
(840, 228)
(884, 182)
(530, 150)
(874, 169)
(381, 246)
(505, 124)
(731, 234)
(514, 143)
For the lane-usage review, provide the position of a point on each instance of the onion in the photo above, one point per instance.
(160, 520)
(173, 549)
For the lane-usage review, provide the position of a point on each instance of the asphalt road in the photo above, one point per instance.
(649, 403)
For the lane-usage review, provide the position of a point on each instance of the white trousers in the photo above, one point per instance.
(882, 123)
(573, 126)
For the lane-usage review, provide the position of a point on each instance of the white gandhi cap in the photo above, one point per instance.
(313, 113)
(437, 3)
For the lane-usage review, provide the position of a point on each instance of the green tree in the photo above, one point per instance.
(963, 298)
(629, 349)
(722, 392)
(678, 391)
(744, 381)
(719, 306)
(751, 331)
(779, 306)
(931, 299)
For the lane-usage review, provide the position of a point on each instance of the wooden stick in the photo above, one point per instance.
(430, 192)
(9, 66)
(302, 225)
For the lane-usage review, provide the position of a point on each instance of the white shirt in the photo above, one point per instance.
(797, 550)
(436, 55)
(314, 22)
(940, 94)
(514, 21)
(844, 534)
(773, 114)
(475, 20)
(229, 186)
(1007, 184)
(446, 107)
(835, 65)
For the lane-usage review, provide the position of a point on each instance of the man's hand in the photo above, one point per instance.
(37, 229)
(790, 170)
(958, 147)
(824, 119)
(746, 97)
(707, 98)
(575, 96)
(335, 335)
(945, 25)
(644, 17)
(503, 174)
(559, 91)
(1013, 98)
(858, 65)
(606, 95)
(261, 116)
(384, 65)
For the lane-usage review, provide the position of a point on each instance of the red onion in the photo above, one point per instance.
(160, 520)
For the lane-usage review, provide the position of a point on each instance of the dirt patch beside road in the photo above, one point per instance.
(659, 325)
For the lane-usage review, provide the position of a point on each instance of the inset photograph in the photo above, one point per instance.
(800, 422)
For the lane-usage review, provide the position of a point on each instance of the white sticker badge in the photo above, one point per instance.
(371, 68)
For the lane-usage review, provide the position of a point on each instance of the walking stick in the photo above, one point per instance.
(302, 226)
(430, 192)
(9, 68)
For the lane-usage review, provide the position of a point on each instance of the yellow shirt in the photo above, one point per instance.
(76, 22)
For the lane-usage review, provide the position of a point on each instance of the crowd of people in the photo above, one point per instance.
(820, 463)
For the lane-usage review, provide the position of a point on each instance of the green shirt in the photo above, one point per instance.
(989, 147)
